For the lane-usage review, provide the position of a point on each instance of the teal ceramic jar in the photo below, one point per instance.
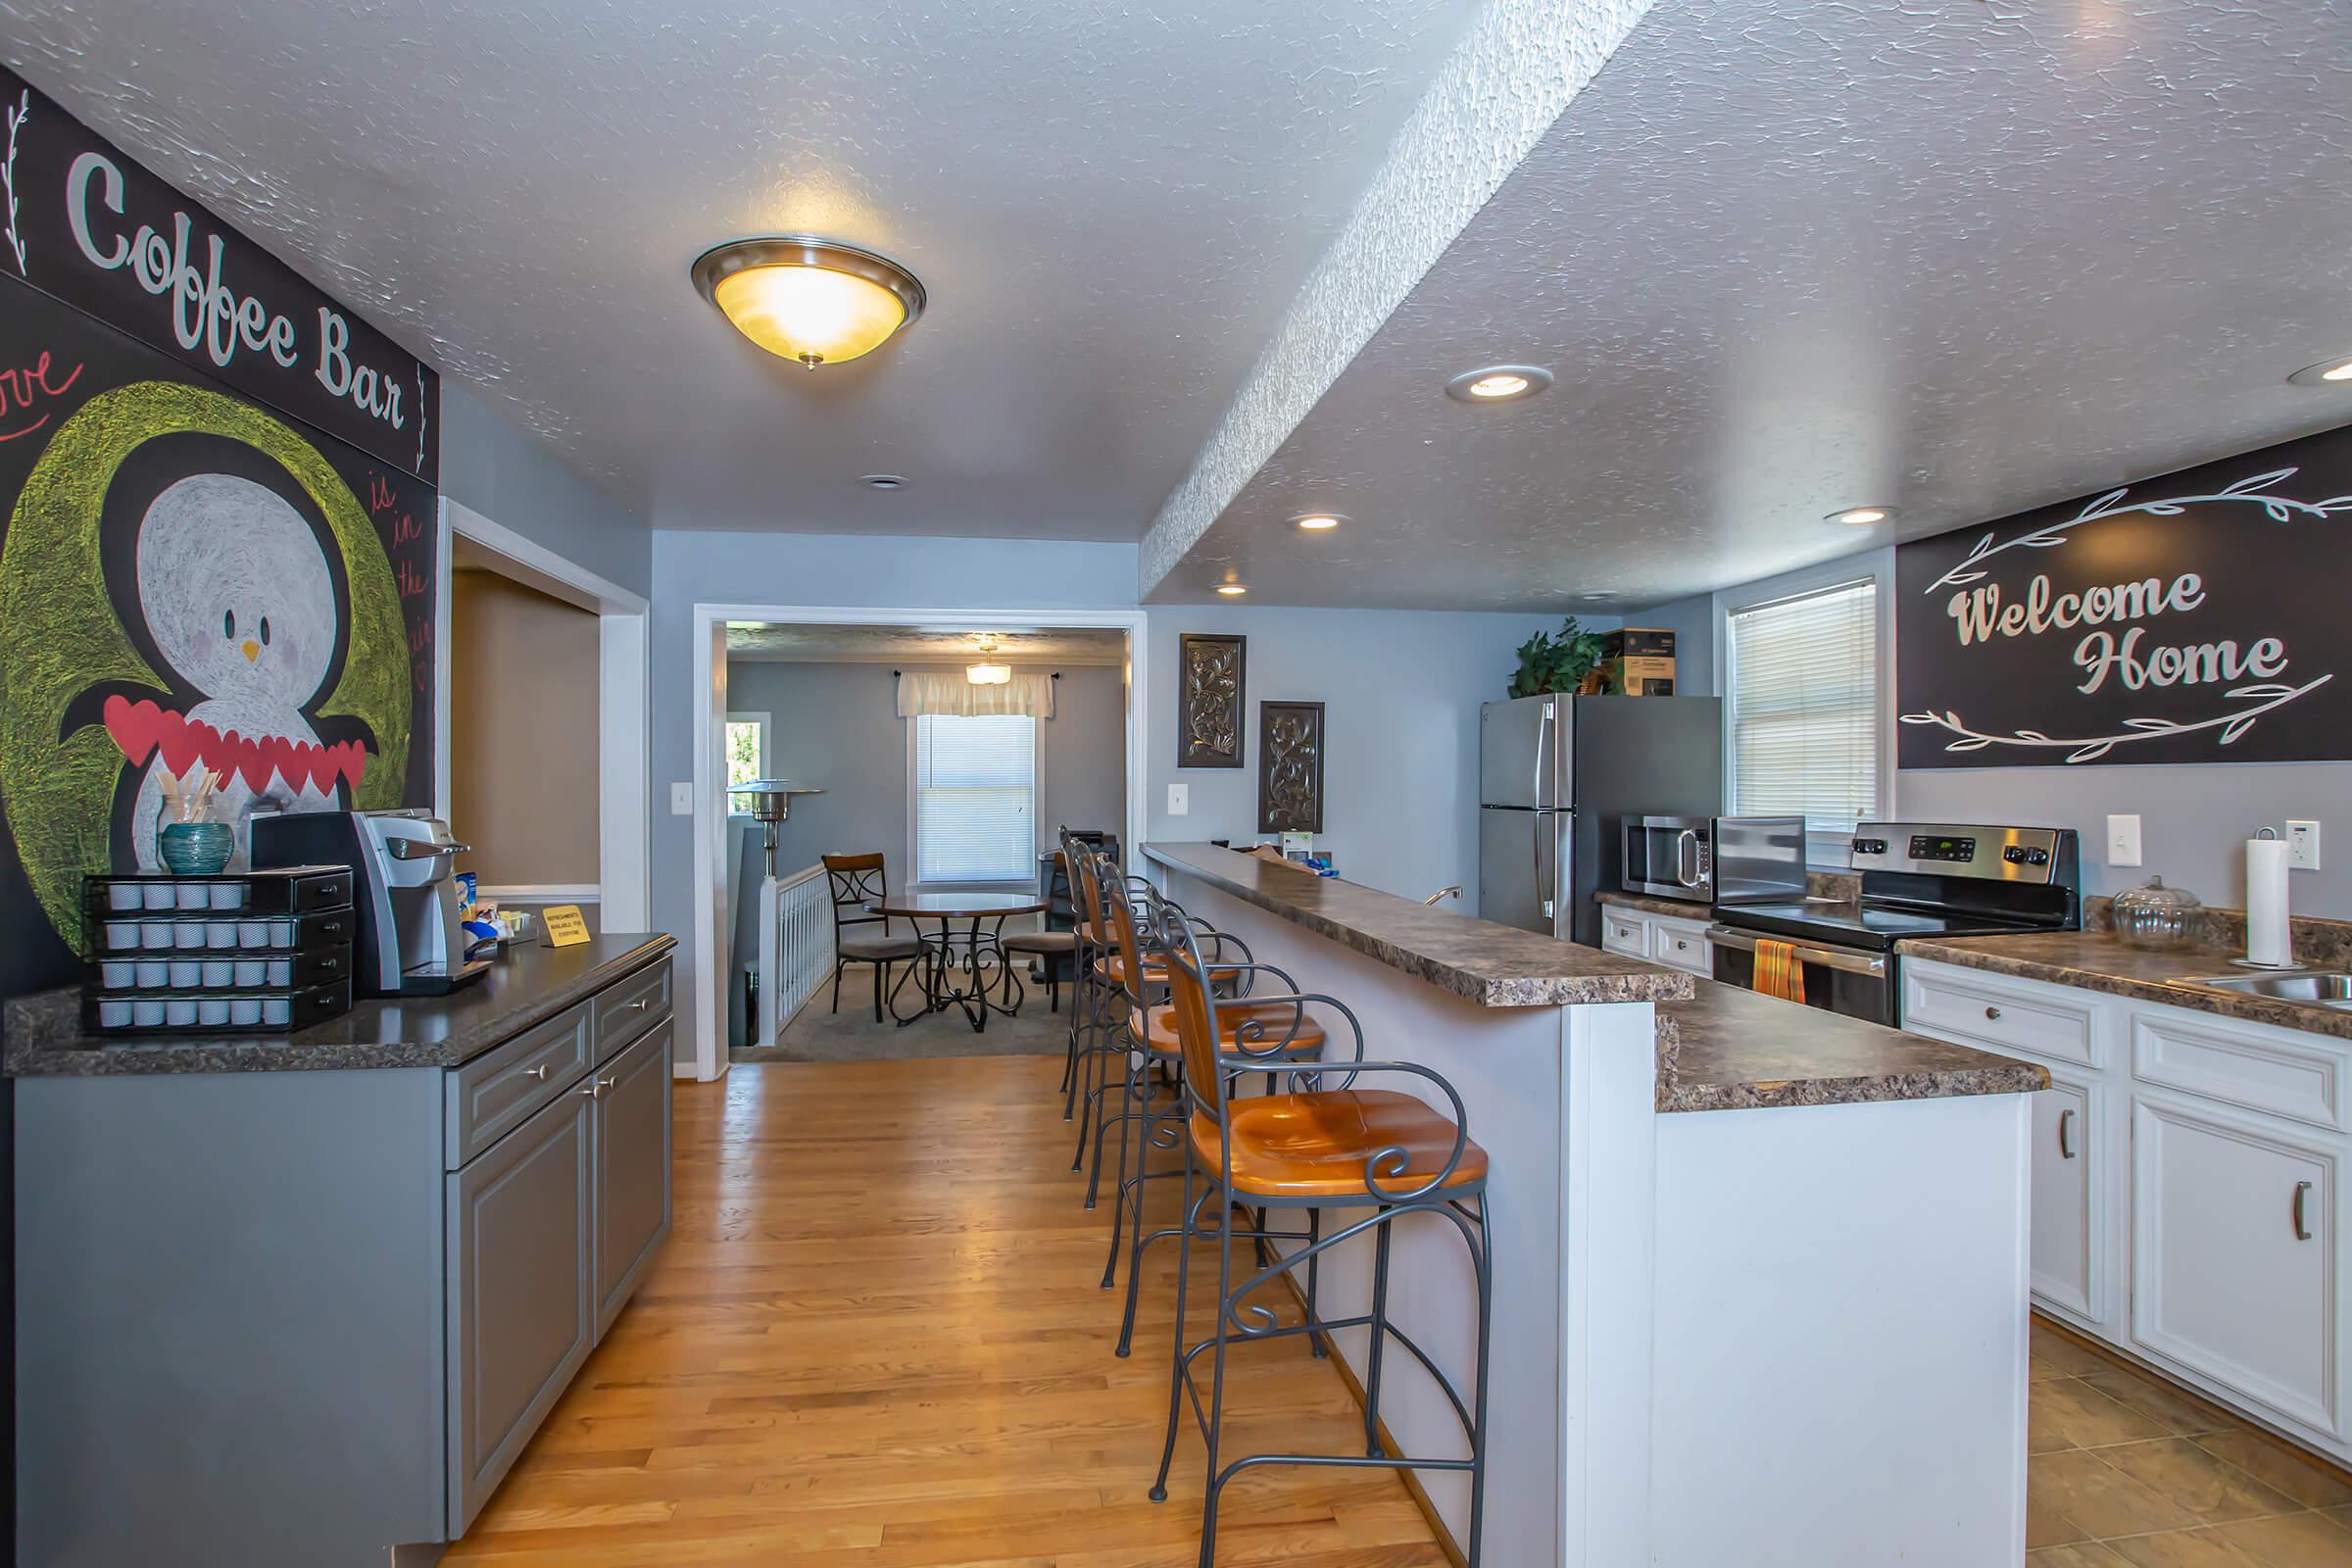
(195, 849)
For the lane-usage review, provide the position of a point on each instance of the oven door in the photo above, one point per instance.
(1853, 982)
(1669, 856)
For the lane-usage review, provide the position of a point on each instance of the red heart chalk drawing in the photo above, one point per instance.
(142, 729)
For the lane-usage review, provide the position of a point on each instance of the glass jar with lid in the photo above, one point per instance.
(2158, 918)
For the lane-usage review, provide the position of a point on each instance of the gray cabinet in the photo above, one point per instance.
(521, 1319)
(632, 1170)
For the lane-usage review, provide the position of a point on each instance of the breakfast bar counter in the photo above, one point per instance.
(1696, 1317)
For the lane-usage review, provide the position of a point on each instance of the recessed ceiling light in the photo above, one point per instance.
(1498, 383)
(817, 301)
(1231, 590)
(1862, 516)
(1318, 522)
(2327, 372)
(882, 481)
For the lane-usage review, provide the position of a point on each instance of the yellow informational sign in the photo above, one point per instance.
(561, 926)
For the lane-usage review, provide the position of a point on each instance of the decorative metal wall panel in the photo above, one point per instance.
(1290, 768)
(1208, 700)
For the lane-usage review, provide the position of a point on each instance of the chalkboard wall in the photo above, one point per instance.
(2197, 617)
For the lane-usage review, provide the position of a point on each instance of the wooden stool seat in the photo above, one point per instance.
(1315, 1145)
(1275, 1021)
(1155, 971)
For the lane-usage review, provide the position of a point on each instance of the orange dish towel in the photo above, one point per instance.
(1779, 972)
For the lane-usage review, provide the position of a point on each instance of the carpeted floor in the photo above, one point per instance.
(852, 1035)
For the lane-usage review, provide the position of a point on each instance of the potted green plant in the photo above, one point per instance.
(1549, 664)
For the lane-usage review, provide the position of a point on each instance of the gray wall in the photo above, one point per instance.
(507, 475)
(2195, 818)
(1400, 689)
(836, 726)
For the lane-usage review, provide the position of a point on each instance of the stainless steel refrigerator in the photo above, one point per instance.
(1556, 774)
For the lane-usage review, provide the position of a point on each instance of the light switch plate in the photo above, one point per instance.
(681, 798)
(2123, 841)
(1180, 798)
(2302, 846)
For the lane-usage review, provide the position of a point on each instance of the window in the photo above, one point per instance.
(975, 798)
(747, 750)
(1803, 678)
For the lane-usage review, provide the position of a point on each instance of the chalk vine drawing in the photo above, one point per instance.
(2254, 491)
(2269, 697)
(8, 175)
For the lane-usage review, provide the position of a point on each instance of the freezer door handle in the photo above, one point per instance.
(1535, 785)
(1538, 820)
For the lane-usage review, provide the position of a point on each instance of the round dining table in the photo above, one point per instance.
(940, 950)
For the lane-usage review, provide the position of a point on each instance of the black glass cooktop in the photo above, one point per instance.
(1858, 925)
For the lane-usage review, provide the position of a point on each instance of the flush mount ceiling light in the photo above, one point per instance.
(817, 301)
(1318, 522)
(1231, 590)
(882, 481)
(2329, 373)
(1498, 383)
(1861, 517)
(988, 672)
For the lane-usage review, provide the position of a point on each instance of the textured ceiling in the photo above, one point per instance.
(1791, 256)
(925, 645)
(1110, 205)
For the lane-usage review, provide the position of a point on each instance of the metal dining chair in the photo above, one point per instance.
(854, 882)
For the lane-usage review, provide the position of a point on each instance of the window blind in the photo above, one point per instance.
(975, 787)
(1804, 714)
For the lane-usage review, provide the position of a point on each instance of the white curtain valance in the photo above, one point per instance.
(947, 692)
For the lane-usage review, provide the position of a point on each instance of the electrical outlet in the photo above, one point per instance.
(681, 800)
(2123, 841)
(1180, 798)
(2302, 846)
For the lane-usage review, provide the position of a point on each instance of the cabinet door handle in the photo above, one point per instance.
(595, 1088)
(2302, 1191)
(2066, 1149)
(539, 1072)
(1993, 1013)
(642, 1003)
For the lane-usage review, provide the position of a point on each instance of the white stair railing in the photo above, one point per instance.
(796, 945)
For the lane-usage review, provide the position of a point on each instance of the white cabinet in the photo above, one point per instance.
(1625, 932)
(2069, 1190)
(2188, 1174)
(2234, 1255)
(1666, 938)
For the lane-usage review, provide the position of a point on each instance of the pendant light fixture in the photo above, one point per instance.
(988, 672)
(815, 301)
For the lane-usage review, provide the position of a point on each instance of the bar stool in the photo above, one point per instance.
(1331, 1148)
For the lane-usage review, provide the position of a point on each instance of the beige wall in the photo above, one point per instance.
(522, 732)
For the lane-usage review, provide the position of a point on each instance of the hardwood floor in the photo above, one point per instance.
(876, 1340)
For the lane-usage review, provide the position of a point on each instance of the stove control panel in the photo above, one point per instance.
(2029, 855)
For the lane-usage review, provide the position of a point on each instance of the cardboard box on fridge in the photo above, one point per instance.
(1637, 678)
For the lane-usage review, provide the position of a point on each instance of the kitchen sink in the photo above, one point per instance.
(2316, 988)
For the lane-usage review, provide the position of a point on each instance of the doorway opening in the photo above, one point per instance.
(955, 789)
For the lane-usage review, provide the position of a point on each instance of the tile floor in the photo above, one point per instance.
(2127, 1470)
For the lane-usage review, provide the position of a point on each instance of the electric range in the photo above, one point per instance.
(1917, 879)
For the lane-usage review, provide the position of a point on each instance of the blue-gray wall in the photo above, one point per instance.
(1401, 691)
(509, 477)
(2195, 818)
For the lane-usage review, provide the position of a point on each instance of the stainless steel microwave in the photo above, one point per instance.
(1669, 858)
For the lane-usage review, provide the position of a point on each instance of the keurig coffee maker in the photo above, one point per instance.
(408, 942)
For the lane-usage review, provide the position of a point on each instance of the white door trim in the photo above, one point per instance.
(708, 704)
(623, 851)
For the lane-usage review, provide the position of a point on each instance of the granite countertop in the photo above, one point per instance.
(1650, 904)
(526, 986)
(1491, 966)
(1732, 1050)
(2095, 961)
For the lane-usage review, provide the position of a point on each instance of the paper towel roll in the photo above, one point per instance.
(2268, 940)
